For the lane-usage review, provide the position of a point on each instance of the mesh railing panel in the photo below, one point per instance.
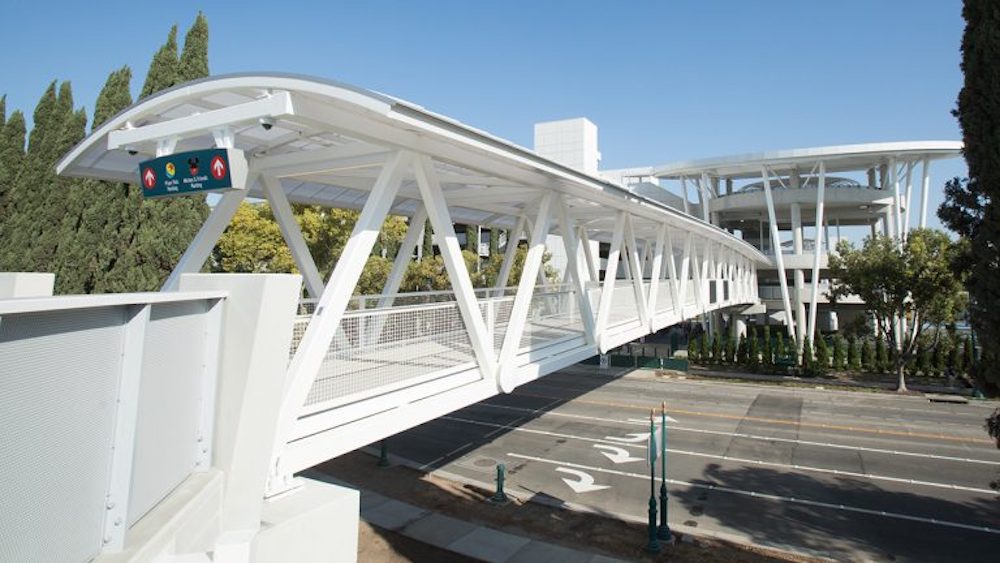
(380, 348)
(552, 315)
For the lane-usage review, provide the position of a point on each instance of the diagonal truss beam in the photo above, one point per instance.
(575, 268)
(293, 235)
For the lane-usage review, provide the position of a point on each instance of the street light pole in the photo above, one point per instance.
(663, 532)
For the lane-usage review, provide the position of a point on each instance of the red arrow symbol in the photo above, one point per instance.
(218, 167)
(149, 178)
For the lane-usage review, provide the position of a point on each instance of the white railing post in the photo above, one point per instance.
(525, 291)
(126, 417)
(458, 274)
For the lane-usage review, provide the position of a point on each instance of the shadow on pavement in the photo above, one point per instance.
(800, 520)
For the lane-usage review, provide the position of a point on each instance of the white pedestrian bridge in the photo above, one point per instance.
(195, 407)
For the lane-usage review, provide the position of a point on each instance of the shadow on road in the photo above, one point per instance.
(805, 518)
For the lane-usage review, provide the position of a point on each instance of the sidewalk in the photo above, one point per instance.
(465, 538)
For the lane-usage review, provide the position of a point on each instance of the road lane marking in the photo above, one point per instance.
(643, 422)
(630, 438)
(617, 455)
(768, 496)
(838, 472)
(584, 485)
(769, 420)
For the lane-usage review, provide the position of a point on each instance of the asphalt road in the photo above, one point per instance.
(841, 474)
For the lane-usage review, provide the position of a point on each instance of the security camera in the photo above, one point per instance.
(132, 152)
(267, 123)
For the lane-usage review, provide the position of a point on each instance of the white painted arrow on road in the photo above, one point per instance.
(584, 485)
(616, 454)
(631, 438)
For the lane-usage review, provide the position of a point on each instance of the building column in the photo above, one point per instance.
(799, 275)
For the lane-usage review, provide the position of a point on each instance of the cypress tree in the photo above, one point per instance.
(165, 226)
(108, 218)
(822, 363)
(868, 356)
(494, 241)
(729, 349)
(194, 58)
(780, 350)
(807, 355)
(34, 210)
(742, 352)
(956, 360)
(941, 355)
(881, 355)
(704, 350)
(12, 138)
(968, 352)
(694, 349)
(753, 350)
(768, 349)
(472, 239)
(839, 353)
(922, 357)
(854, 354)
(429, 240)
(716, 348)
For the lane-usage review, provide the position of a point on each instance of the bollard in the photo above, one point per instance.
(383, 456)
(652, 546)
(499, 497)
(663, 532)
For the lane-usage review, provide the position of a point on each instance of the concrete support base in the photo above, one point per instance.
(317, 522)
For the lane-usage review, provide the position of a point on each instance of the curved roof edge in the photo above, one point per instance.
(748, 165)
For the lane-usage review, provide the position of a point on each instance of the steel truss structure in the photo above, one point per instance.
(365, 367)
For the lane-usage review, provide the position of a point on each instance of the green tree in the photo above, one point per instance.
(705, 349)
(193, 62)
(923, 357)
(428, 244)
(728, 349)
(839, 353)
(753, 350)
(868, 362)
(252, 243)
(956, 361)
(494, 241)
(694, 350)
(970, 206)
(881, 355)
(912, 280)
(163, 70)
(12, 137)
(742, 352)
(780, 349)
(969, 354)
(806, 360)
(717, 348)
(854, 354)
(767, 353)
(822, 354)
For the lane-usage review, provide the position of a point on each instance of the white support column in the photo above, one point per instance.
(705, 197)
(685, 274)
(541, 281)
(924, 189)
(199, 249)
(576, 269)
(333, 302)
(818, 246)
(513, 238)
(896, 217)
(909, 196)
(654, 275)
(799, 277)
(684, 191)
(414, 236)
(458, 274)
(293, 235)
(776, 248)
(588, 254)
(678, 305)
(610, 276)
(525, 291)
(637, 285)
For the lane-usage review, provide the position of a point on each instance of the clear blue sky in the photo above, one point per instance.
(663, 81)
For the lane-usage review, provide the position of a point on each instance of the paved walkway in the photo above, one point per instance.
(465, 538)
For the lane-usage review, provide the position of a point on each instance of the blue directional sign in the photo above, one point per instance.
(209, 170)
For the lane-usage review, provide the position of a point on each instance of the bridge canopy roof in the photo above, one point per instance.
(325, 142)
(839, 158)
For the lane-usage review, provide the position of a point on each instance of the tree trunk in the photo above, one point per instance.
(901, 374)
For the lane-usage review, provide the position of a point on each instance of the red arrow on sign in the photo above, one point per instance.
(149, 178)
(218, 167)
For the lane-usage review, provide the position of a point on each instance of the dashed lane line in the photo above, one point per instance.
(768, 496)
(796, 467)
(788, 422)
(752, 436)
